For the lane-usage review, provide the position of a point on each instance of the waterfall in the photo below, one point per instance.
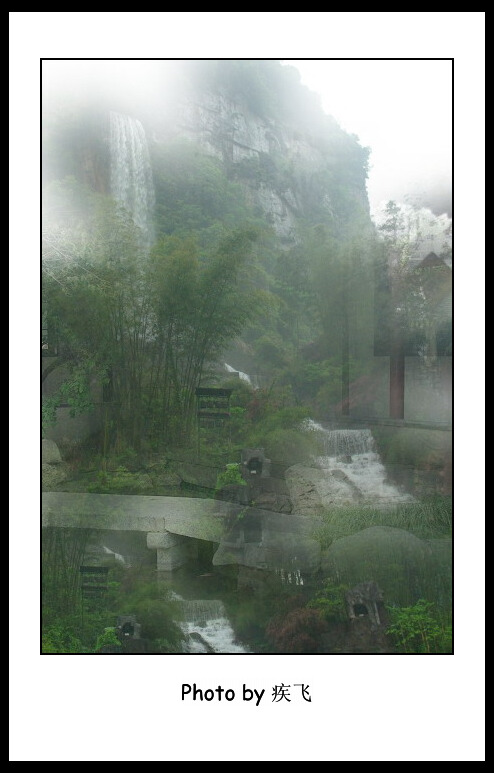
(118, 556)
(290, 578)
(242, 376)
(338, 442)
(207, 628)
(352, 463)
(253, 381)
(131, 179)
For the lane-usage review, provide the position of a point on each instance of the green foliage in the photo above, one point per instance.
(238, 423)
(330, 601)
(428, 519)
(49, 407)
(249, 618)
(86, 625)
(139, 594)
(416, 629)
(283, 418)
(119, 481)
(194, 195)
(58, 639)
(289, 446)
(319, 384)
(268, 419)
(75, 391)
(62, 552)
(200, 307)
(270, 350)
(108, 638)
(151, 325)
(231, 476)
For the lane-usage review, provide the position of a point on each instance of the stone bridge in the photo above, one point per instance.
(246, 536)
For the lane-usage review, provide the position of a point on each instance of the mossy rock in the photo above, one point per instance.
(406, 567)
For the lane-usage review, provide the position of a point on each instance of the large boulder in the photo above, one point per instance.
(52, 475)
(53, 469)
(406, 567)
(313, 490)
(262, 539)
(269, 500)
(50, 453)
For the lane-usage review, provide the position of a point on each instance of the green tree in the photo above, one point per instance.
(199, 307)
(151, 326)
(414, 297)
(341, 274)
(94, 293)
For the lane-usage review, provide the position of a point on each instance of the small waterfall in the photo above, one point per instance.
(131, 179)
(207, 627)
(340, 442)
(242, 376)
(290, 578)
(253, 381)
(353, 463)
(118, 556)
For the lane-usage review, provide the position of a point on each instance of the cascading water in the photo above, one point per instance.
(253, 381)
(207, 628)
(241, 375)
(353, 453)
(118, 556)
(290, 578)
(131, 178)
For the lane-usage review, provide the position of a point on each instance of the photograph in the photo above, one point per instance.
(235, 232)
(246, 357)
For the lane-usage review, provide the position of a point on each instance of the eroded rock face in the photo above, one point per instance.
(312, 490)
(228, 130)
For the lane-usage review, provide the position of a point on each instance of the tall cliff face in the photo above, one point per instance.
(291, 171)
(266, 132)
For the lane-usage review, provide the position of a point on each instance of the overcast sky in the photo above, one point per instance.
(402, 110)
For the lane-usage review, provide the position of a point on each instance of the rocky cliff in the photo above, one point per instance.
(290, 173)
(267, 132)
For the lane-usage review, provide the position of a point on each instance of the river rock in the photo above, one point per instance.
(406, 567)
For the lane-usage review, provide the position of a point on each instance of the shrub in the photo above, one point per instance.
(415, 629)
(231, 476)
(290, 446)
(330, 602)
(297, 632)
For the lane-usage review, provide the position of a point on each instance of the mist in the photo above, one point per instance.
(339, 427)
